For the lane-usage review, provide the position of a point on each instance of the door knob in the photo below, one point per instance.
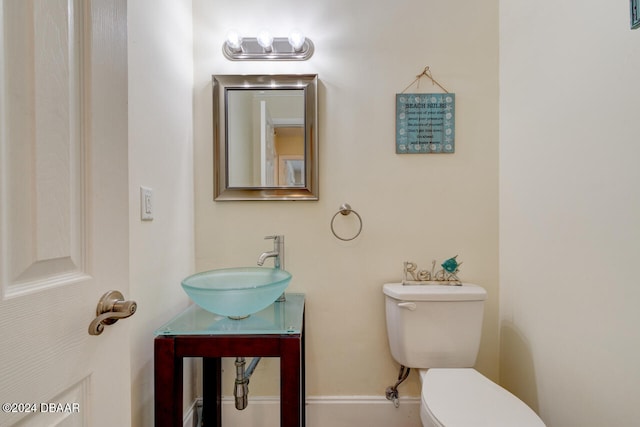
(110, 309)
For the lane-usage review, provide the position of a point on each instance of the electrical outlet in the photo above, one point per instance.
(146, 203)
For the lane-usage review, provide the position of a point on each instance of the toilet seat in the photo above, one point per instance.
(464, 398)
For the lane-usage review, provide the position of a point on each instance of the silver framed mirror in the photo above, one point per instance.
(265, 137)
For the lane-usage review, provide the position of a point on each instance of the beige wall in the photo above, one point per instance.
(568, 206)
(414, 207)
(160, 157)
(570, 210)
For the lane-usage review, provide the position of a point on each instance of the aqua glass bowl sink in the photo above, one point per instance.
(236, 292)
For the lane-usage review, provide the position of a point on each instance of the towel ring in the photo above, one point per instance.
(345, 209)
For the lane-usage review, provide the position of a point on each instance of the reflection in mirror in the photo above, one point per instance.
(265, 135)
(263, 125)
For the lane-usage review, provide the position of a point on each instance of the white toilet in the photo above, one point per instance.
(437, 329)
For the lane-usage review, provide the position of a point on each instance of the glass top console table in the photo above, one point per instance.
(276, 331)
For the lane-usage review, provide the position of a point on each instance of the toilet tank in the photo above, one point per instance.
(434, 326)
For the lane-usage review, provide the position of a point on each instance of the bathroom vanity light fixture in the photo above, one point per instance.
(265, 47)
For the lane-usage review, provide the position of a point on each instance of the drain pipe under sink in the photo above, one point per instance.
(241, 389)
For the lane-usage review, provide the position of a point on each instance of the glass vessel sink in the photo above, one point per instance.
(236, 292)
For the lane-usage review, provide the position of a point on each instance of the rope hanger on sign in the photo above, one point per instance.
(425, 73)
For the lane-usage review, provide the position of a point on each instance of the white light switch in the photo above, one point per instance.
(146, 203)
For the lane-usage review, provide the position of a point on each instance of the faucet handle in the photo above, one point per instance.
(275, 237)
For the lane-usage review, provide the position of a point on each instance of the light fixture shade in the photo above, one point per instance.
(296, 40)
(265, 39)
(234, 40)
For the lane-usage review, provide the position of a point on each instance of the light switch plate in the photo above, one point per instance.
(146, 203)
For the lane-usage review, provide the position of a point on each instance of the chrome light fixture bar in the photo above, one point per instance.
(264, 47)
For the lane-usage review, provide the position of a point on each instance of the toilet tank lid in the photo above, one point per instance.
(466, 292)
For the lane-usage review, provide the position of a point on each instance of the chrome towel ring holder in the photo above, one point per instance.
(345, 209)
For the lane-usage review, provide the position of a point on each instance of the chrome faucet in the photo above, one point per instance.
(277, 254)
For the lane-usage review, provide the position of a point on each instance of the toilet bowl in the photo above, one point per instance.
(462, 397)
(437, 329)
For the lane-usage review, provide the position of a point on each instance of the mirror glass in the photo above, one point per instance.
(265, 137)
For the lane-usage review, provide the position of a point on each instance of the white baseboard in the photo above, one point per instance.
(370, 411)
(190, 417)
(323, 411)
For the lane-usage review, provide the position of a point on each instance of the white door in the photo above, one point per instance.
(63, 212)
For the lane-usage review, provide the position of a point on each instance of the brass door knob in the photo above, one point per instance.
(110, 309)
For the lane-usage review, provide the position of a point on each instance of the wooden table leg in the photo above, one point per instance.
(291, 402)
(303, 385)
(211, 391)
(167, 384)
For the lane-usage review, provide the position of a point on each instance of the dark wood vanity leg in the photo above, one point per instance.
(303, 380)
(167, 384)
(211, 391)
(291, 411)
